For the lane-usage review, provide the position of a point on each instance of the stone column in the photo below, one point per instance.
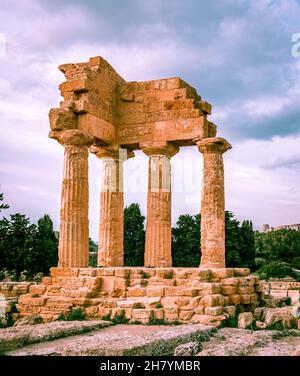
(158, 227)
(111, 226)
(73, 249)
(213, 202)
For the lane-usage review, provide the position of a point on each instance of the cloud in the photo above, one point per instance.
(236, 53)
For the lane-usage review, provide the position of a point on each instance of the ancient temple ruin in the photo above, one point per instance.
(103, 114)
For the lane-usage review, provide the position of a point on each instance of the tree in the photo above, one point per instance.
(186, 241)
(46, 247)
(17, 246)
(134, 236)
(2, 206)
(247, 247)
(281, 245)
(232, 240)
(25, 246)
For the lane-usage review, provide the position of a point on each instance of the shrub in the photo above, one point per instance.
(120, 319)
(75, 315)
(296, 262)
(276, 269)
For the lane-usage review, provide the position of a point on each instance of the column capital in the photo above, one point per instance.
(213, 145)
(159, 148)
(74, 137)
(111, 152)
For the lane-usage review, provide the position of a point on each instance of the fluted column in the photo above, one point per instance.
(111, 226)
(213, 202)
(158, 227)
(73, 249)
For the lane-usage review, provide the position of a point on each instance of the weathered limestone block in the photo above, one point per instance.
(230, 310)
(155, 291)
(64, 272)
(235, 299)
(155, 281)
(229, 290)
(222, 273)
(185, 315)
(61, 119)
(241, 272)
(136, 291)
(171, 314)
(205, 288)
(165, 273)
(105, 272)
(213, 203)
(37, 289)
(208, 319)
(158, 314)
(180, 291)
(214, 311)
(158, 227)
(245, 320)
(142, 315)
(212, 300)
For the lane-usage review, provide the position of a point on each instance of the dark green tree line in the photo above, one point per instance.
(26, 246)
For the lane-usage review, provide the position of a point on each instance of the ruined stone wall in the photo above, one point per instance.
(184, 295)
(280, 289)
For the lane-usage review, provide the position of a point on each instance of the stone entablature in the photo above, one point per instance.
(184, 295)
(103, 114)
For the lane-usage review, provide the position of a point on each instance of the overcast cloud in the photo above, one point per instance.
(236, 53)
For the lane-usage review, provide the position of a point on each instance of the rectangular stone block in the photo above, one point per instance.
(171, 314)
(47, 281)
(184, 282)
(241, 272)
(121, 284)
(208, 319)
(155, 291)
(207, 288)
(164, 273)
(180, 291)
(229, 290)
(37, 289)
(230, 281)
(142, 315)
(104, 311)
(78, 85)
(246, 281)
(212, 300)
(235, 299)
(222, 273)
(123, 273)
(158, 313)
(230, 310)
(185, 315)
(92, 311)
(245, 289)
(199, 310)
(64, 272)
(155, 281)
(87, 272)
(136, 291)
(105, 272)
(32, 301)
(245, 299)
(214, 311)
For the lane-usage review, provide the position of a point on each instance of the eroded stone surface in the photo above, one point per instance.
(19, 336)
(143, 294)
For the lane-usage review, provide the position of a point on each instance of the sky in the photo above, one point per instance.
(236, 53)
